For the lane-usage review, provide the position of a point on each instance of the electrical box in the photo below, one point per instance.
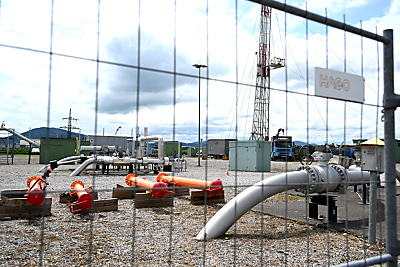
(173, 149)
(58, 148)
(373, 156)
(250, 156)
(191, 151)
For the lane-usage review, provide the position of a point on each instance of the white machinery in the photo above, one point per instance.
(159, 163)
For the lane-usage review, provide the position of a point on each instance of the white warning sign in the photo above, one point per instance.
(339, 85)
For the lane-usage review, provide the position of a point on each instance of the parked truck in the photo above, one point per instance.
(282, 147)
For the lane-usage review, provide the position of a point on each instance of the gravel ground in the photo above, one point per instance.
(163, 236)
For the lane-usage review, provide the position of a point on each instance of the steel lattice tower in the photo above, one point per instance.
(260, 129)
(70, 127)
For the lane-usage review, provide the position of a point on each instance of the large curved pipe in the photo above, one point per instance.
(63, 161)
(83, 166)
(310, 179)
(157, 138)
(20, 136)
(238, 206)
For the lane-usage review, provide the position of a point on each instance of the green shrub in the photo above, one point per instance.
(17, 150)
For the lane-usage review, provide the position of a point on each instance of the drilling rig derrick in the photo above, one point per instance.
(260, 128)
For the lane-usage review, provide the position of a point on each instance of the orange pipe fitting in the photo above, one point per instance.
(158, 189)
(35, 193)
(85, 199)
(214, 187)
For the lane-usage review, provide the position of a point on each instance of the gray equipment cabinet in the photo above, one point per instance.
(250, 156)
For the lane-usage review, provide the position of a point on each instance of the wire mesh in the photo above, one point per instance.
(277, 217)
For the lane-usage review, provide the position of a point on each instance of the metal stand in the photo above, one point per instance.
(372, 207)
(30, 149)
(324, 200)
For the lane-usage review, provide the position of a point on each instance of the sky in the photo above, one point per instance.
(38, 88)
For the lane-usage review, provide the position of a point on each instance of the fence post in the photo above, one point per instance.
(390, 102)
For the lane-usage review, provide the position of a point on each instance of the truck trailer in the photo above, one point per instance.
(218, 148)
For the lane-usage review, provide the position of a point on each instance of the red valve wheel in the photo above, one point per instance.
(85, 201)
(159, 190)
(35, 197)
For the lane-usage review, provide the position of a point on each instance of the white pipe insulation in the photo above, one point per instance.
(83, 166)
(157, 138)
(63, 161)
(309, 179)
(91, 148)
(20, 136)
(118, 162)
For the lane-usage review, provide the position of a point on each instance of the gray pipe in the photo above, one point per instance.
(91, 148)
(321, 19)
(119, 162)
(310, 179)
(369, 262)
(63, 161)
(20, 136)
(83, 166)
(238, 206)
(157, 138)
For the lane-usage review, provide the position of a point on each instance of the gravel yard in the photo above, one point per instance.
(163, 236)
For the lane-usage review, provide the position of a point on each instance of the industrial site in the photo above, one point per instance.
(147, 209)
(199, 133)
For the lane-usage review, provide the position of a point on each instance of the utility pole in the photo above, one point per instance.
(199, 66)
(70, 127)
(260, 129)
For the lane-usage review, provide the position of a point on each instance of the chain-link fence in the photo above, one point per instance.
(329, 210)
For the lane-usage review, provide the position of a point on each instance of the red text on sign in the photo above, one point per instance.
(335, 83)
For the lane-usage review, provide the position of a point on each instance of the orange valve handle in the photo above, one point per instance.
(214, 187)
(85, 199)
(35, 193)
(158, 189)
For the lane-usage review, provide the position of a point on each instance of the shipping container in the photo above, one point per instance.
(218, 148)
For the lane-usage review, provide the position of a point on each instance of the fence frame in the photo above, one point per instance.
(390, 102)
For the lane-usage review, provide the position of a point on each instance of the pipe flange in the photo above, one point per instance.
(313, 178)
(145, 161)
(130, 179)
(34, 178)
(75, 183)
(166, 161)
(342, 174)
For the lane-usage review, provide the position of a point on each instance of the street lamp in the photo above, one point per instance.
(199, 66)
